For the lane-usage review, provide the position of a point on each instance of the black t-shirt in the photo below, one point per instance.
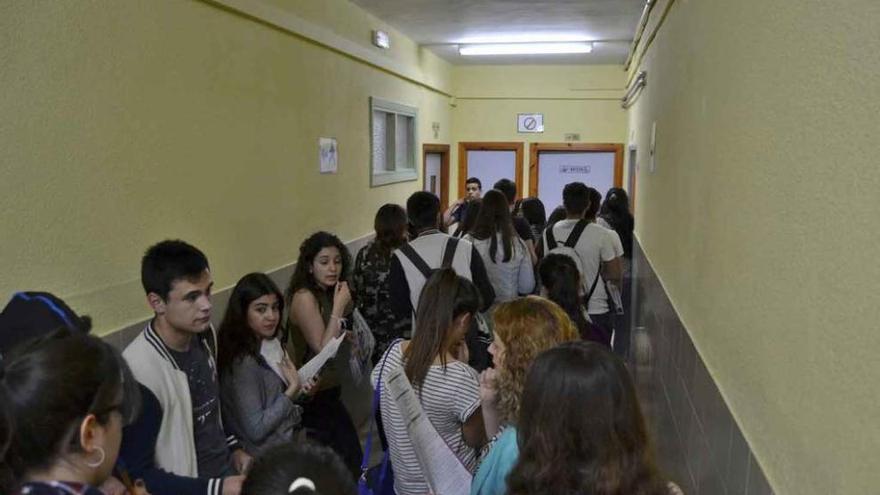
(522, 227)
(213, 455)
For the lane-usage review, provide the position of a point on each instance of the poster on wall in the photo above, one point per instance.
(328, 151)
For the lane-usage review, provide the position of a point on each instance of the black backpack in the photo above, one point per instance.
(477, 347)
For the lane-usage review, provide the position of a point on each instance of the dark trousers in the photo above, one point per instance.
(623, 323)
(606, 322)
(326, 421)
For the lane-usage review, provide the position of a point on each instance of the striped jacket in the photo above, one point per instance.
(153, 365)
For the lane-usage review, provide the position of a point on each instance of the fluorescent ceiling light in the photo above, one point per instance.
(533, 37)
(525, 48)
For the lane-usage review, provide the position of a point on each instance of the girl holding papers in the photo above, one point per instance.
(434, 362)
(260, 388)
(320, 302)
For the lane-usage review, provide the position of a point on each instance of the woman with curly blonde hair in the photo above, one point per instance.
(523, 329)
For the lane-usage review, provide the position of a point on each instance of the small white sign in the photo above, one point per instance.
(381, 39)
(575, 169)
(530, 122)
(328, 152)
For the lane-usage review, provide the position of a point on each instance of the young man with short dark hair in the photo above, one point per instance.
(597, 250)
(473, 190)
(405, 279)
(175, 357)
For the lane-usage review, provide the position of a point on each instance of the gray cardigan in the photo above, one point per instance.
(254, 403)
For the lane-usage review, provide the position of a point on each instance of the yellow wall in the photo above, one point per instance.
(761, 220)
(125, 123)
(582, 99)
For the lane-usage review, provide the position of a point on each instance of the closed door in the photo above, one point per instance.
(435, 171)
(432, 173)
(553, 168)
(490, 162)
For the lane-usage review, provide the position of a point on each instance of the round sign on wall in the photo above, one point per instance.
(530, 122)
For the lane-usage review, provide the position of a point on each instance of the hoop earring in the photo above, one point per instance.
(96, 464)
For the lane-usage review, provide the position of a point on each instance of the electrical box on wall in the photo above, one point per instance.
(381, 39)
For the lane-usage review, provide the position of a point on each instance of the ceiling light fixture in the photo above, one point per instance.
(526, 48)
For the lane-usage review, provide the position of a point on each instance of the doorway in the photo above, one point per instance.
(490, 162)
(553, 165)
(435, 171)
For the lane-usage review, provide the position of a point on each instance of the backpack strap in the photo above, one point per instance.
(377, 396)
(593, 287)
(551, 240)
(576, 232)
(417, 260)
(449, 252)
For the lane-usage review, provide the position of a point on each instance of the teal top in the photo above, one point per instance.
(491, 478)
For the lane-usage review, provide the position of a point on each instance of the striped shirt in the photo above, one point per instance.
(449, 397)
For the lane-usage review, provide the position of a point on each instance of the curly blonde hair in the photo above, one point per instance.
(526, 327)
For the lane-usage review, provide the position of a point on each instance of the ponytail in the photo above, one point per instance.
(560, 277)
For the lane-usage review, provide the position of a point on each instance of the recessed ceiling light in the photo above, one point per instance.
(525, 48)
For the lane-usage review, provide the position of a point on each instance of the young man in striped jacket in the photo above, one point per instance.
(175, 358)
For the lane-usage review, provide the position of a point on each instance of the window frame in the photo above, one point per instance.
(398, 174)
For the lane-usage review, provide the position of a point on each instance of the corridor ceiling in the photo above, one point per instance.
(441, 24)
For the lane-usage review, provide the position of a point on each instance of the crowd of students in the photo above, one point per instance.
(504, 331)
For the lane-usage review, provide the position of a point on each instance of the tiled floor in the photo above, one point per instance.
(699, 445)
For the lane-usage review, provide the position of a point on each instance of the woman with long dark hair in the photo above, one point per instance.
(504, 254)
(615, 215)
(435, 362)
(581, 430)
(523, 328)
(470, 212)
(561, 283)
(372, 266)
(80, 390)
(258, 382)
(320, 301)
(532, 209)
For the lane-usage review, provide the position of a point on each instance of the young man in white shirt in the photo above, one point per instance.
(597, 251)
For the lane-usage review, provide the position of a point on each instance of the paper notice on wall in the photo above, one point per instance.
(328, 153)
(444, 472)
(314, 365)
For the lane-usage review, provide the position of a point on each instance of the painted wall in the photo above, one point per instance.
(125, 123)
(582, 99)
(761, 220)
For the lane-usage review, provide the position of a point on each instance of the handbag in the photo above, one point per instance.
(382, 483)
(364, 344)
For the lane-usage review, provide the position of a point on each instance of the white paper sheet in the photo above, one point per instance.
(314, 365)
(446, 475)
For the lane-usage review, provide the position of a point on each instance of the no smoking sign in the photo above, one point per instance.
(530, 122)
